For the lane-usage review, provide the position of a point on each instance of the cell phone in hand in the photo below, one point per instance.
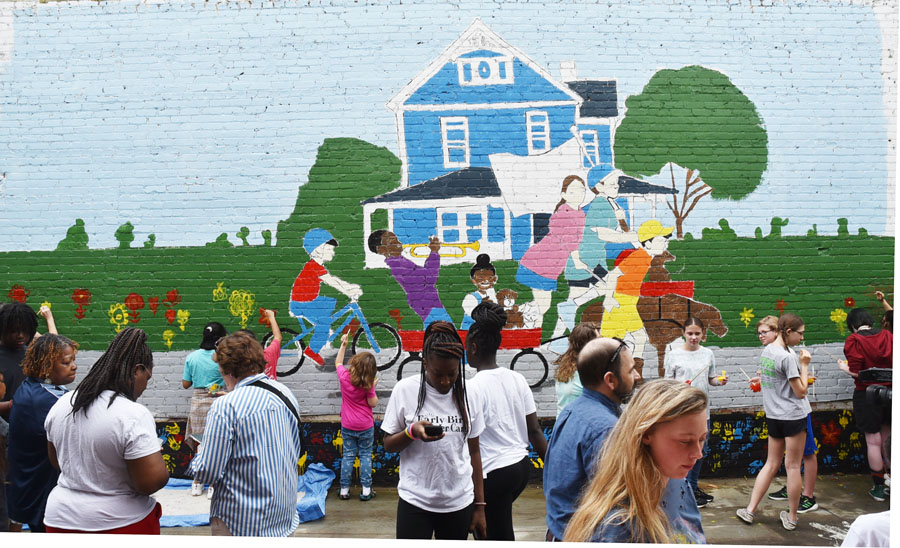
(433, 430)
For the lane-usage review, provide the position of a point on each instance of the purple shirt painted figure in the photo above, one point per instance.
(418, 282)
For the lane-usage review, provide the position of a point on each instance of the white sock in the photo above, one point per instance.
(365, 490)
(345, 490)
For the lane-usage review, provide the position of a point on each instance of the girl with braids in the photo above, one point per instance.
(638, 493)
(784, 385)
(434, 425)
(104, 444)
(568, 383)
(49, 364)
(510, 417)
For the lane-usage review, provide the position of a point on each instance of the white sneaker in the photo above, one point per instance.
(209, 492)
(196, 489)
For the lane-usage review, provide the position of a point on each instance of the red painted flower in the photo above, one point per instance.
(263, 319)
(134, 302)
(172, 298)
(779, 305)
(170, 315)
(154, 304)
(81, 297)
(18, 293)
(849, 302)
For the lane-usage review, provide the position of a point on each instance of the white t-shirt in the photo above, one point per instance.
(94, 491)
(505, 400)
(435, 476)
(684, 365)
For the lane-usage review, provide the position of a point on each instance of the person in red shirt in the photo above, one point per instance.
(868, 348)
(305, 298)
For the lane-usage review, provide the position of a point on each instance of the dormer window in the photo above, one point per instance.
(485, 71)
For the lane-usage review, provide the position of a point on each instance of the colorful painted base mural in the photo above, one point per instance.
(737, 447)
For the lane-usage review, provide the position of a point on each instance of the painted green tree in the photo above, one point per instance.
(697, 119)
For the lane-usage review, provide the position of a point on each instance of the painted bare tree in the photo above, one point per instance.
(696, 119)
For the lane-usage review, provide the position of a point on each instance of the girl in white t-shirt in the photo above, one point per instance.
(104, 444)
(510, 418)
(695, 365)
(434, 425)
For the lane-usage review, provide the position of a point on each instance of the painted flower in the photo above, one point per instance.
(182, 318)
(779, 306)
(747, 316)
(118, 316)
(219, 293)
(154, 304)
(241, 304)
(134, 302)
(838, 316)
(18, 293)
(849, 302)
(167, 336)
(81, 297)
(170, 315)
(172, 298)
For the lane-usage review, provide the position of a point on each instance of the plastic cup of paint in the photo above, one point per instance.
(810, 380)
(755, 386)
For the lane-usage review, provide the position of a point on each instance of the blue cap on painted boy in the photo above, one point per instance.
(597, 173)
(316, 237)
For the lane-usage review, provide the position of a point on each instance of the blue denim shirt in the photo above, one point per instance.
(574, 445)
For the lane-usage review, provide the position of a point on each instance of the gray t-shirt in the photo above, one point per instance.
(778, 366)
(697, 366)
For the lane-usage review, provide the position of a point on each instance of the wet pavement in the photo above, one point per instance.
(841, 499)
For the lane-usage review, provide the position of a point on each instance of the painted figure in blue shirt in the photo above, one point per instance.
(638, 493)
(49, 364)
(606, 369)
(250, 448)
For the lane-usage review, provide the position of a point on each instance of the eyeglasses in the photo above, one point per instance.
(763, 333)
(615, 355)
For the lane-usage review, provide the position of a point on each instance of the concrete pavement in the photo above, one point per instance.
(841, 499)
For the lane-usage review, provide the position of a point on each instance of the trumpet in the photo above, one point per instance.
(461, 249)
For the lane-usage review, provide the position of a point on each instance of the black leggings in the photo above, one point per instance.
(501, 488)
(414, 522)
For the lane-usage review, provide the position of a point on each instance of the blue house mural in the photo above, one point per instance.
(486, 136)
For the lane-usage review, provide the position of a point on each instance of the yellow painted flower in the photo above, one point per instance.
(167, 336)
(747, 316)
(219, 293)
(838, 316)
(241, 304)
(118, 315)
(182, 318)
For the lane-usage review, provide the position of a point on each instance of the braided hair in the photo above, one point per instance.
(114, 370)
(489, 319)
(442, 340)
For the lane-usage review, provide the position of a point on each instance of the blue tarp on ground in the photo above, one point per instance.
(314, 483)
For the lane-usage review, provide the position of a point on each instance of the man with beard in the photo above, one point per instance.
(606, 368)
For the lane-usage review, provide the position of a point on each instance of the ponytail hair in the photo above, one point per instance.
(489, 318)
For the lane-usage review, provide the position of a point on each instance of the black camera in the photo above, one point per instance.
(878, 394)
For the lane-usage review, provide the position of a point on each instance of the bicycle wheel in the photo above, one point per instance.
(292, 353)
(531, 368)
(413, 357)
(388, 344)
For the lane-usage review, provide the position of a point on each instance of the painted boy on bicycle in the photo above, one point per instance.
(305, 298)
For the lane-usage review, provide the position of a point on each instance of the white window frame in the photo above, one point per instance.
(591, 141)
(454, 123)
(537, 130)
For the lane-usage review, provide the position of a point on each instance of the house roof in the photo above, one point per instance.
(600, 99)
(479, 182)
(470, 182)
(478, 36)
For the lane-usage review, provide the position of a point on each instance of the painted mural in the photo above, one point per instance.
(562, 196)
(737, 447)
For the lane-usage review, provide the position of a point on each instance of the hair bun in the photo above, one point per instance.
(483, 259)
(489, 316)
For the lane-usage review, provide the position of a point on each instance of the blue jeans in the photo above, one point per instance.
(357, 441)
(694, 475)
(318, 311)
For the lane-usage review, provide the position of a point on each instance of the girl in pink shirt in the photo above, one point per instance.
(357, 423)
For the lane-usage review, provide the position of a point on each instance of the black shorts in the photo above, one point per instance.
(780, 429)
(869, 418)
(599, 271)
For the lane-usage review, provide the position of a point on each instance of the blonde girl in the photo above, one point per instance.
(568, 383)
(643, 462)
(358, 398)
(784, 385)
(695, 365)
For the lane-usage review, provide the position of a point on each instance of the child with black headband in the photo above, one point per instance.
(434, 426)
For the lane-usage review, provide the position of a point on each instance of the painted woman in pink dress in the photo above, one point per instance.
(544, 261)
